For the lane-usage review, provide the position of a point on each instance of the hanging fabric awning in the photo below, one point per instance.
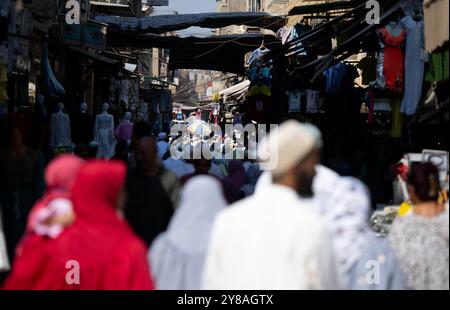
(221, 53)
(55, 89)
(235, 91)
(160, 24)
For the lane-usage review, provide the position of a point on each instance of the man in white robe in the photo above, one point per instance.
(272, 240)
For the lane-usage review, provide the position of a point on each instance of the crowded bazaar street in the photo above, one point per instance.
(209, 145)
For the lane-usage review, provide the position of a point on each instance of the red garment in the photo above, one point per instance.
(394, 60)
(108, 253)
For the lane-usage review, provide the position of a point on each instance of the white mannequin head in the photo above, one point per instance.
(83, 107)
(127, 116)
(60, 107)
(105, 107)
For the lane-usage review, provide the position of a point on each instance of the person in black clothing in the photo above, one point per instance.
(149, 207)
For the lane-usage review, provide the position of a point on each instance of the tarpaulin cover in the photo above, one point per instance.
(165, 23)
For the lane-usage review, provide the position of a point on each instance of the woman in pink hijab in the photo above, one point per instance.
(54, 211)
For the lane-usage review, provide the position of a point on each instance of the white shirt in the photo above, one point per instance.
(269, 241)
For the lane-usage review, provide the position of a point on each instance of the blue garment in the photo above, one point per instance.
(54, 87)
(256, 54)
(414, 64)
(334, 77)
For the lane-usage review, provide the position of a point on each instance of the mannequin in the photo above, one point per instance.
(104, 133)
(40, 108)
(390, 67)
(60, 131)
(82, 126)
(124, 130)
(143, 113)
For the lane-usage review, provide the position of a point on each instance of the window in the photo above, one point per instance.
(254, 5)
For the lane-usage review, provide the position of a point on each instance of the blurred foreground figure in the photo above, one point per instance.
(152, 192)
(21, 184)
(98, 252)
(344, 205)
(54, 210)
(420, 239)
(272, 240)
(177, 255)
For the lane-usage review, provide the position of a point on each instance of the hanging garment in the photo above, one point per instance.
(295, 101)
(60, 131)
(259, 74)
(368, 65)
(104, 135)
(334, 77)
(258, 109)
(55, 89)
(257, 54)
(393, 57)
(312, 101)
(283, 34)
(415, 57)
(438, 70)
(259, 89)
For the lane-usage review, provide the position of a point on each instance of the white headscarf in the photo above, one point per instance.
(177, 255)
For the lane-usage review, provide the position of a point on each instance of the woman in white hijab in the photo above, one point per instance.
(177, 255)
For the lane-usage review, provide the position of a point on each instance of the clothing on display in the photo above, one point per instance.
(333, 77)
(415, 57)
(438, 67)
(295, 101)
(259, 89)
(392, 40)
(60, 131)
(257, 54)
(53, 86)
(104, 134)
(258, 108)
(312, 101)
(284, 34)
(368, 65)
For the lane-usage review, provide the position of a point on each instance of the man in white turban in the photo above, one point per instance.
(273, 240)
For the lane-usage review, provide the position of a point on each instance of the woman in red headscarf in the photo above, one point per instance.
(54, 211)
(98, 252)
